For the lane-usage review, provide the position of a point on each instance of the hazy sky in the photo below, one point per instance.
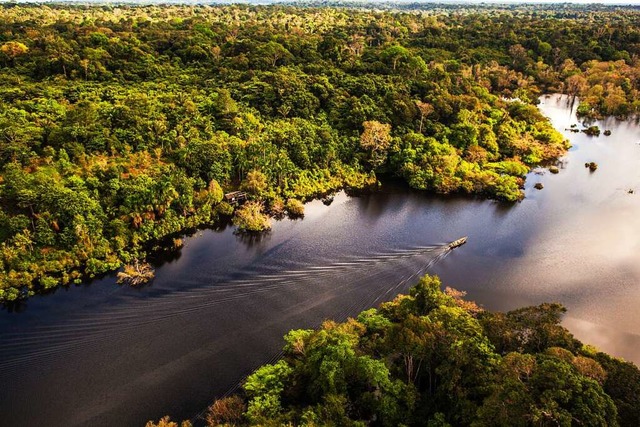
(617, 2)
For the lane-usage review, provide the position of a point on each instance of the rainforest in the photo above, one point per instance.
(123, 125)
(433, 358)
(129, 130)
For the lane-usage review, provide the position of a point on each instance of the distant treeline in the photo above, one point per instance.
(120, 125)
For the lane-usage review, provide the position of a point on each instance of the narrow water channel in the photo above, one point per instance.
(101, 354)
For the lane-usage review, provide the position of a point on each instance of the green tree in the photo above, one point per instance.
(375, 139)
(249, 217)
(264, 389)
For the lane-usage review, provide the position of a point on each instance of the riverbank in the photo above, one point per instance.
(113, 150)
(225, 302)
(397, 364)
(122, 125)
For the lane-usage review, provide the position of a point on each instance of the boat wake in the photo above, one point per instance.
(84, 330)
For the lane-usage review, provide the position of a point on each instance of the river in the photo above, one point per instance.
(100, 354)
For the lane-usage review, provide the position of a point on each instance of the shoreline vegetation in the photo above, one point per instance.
(122, 125)
(432, 358)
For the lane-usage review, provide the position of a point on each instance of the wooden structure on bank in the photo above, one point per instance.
(235, 197)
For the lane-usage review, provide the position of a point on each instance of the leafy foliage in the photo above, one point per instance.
(251, 218)
(429, 358)
(115, 122)
(166, 422)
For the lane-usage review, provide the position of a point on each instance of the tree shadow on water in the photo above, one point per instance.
(252, 238)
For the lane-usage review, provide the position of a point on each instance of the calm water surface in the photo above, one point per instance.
(100, 354)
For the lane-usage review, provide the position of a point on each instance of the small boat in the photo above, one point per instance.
(456, 243)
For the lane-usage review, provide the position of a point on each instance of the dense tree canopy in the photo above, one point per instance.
(120, 125)
(431, 358)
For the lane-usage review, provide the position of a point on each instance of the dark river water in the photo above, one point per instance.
(101, 354)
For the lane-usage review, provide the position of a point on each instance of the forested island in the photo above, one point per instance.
(432, 358)
(122, 125)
